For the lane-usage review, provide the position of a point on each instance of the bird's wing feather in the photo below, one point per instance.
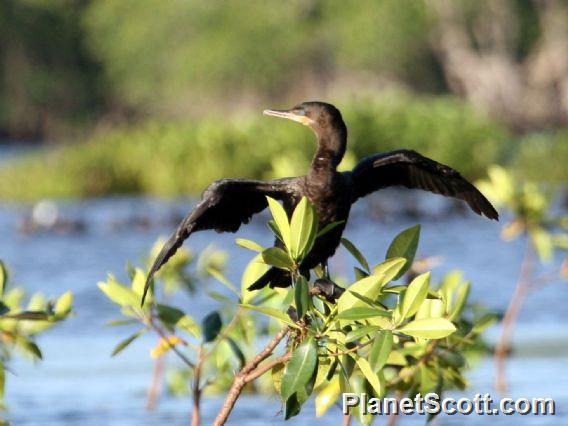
(224, 206)
(412, 170)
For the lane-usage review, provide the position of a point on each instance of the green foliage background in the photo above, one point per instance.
(153, 88)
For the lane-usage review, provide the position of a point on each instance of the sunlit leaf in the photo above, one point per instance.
(302, 229)
(380, 349)
(369, 287)
(371, 376)
(119, 293)
(64, 304)
(327, 397)
(430, 308)
(281, 220)
(414, 296)
(249, 244)
(389, 269)
(361, 312)
(461, 296)
(430, 328)
(277, 257)
(405, 245)
(253, 271)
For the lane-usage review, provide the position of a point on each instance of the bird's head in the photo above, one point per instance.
(321, 117)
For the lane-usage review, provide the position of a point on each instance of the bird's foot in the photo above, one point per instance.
(328, 289)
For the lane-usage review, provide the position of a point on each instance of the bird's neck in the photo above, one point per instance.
(331, 148)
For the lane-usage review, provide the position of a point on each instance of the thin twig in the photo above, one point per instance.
(249, 369)
(504, 343)
(195, 414)
(156, 384)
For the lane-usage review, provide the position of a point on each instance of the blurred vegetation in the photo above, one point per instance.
(545, 231)
(21, 322)
(178, 82)
(183, 158)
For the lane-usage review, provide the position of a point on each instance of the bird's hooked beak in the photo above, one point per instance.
(293, 114)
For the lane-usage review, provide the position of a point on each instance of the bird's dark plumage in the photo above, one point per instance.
(228, 203)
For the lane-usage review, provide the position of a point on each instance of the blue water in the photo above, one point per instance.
(78, 383)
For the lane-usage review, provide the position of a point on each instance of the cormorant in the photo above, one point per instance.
(228, 203)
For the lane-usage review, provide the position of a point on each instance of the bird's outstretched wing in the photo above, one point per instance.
(224, 206)
(412, 170)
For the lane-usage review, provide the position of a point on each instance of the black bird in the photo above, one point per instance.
(228, 203)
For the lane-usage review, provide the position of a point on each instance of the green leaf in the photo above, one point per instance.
(299, 369)
(360, 332)
(253, 271)
(414, 296)
(327, 397)
(364, 299)
(369, 287)
(372, 378)
(211, 326)
(405, 245)
(292, 407)
(3, 280)
(484, 322)
(389, 269)
(542, 242)
(138, 281)
(361, 312)
(356, 253)
(359, 273)
(121, 321)
(222, 279)
(277, 257)
(124, 343)
(430, 308)
(461, 296)
(329, 227)
(380, 349)
(303, 228)
(302, 296)
(272, 312)
(29, 347)
(64, 304)
(2, 383)
(429, 328)
(249, 244)
(237, 351)
(281, 220)
(119, 293)
(175, 317)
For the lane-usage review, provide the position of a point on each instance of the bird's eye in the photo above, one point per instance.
(300, 111)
